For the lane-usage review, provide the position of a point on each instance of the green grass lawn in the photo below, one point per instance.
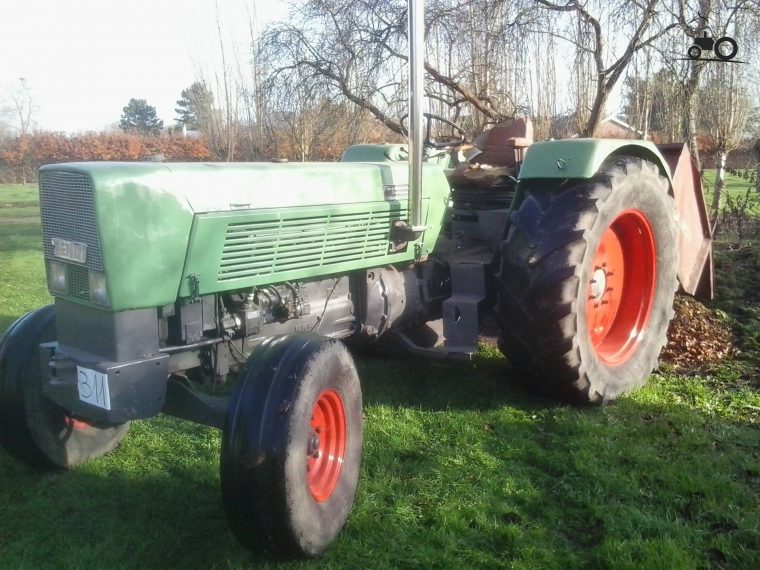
(462, 469)
(739, 193)
(18, 193)
(735, 185)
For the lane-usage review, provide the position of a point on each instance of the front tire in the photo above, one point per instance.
(587, 281)
(694, 52)
(291, 447)
(33, 428)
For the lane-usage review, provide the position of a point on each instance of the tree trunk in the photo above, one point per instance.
(756, 148)
(597, 111)
(692, 110)
(720, 182)
(692, 86)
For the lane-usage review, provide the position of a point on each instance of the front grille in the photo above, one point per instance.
(78, 279)
(67, 207)
(257, 248)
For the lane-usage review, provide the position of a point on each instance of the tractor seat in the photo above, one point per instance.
(505, 143)
(497, 153)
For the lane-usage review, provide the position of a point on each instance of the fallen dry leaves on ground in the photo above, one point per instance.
(697, 337)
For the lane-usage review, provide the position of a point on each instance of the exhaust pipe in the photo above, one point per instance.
(416, 35)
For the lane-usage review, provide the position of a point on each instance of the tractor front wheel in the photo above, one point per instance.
(33, 428)
(291, 447)
(587, 280)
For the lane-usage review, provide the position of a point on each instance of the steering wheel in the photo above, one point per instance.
(429, 141)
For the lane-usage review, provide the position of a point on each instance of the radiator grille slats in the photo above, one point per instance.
(79, 282)
(67, 208)
(256, 248)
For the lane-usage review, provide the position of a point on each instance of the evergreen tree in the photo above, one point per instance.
(195, 107)
(140, 118)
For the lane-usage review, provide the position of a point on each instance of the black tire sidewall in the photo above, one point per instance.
(264, 445)
(646, 193)
(316, 524)
(35, 428)
(731, 42)
(694, 52)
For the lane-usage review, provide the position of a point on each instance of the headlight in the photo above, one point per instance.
(98, 292)
(56, 274)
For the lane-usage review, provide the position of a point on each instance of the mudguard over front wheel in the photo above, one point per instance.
(587, 280)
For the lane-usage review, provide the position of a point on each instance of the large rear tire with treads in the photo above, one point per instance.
(587, 280)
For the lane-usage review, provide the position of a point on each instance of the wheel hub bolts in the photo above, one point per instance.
(598, 284)
(313, 448)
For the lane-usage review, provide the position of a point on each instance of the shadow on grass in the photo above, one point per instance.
(504, 477)
(461, 469)
(631, 485)
(115, 513)
(6, 321)
(485, 383)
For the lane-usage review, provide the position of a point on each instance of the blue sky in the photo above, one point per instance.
(83, 59)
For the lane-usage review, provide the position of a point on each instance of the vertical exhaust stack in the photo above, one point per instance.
(416, 14)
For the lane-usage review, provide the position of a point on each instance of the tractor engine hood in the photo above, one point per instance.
(163, 230)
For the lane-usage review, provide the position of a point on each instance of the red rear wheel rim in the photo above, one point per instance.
(326, 447)
(621, 288)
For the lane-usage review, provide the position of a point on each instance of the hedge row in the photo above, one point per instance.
(20, 157)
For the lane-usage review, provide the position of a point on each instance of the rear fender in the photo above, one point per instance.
(581, 159)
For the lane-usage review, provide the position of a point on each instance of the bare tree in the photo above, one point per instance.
(544, 94)
(305, 117)
(640, 94)
(655, 101)
(226, 120)
(222, 117)
(4, 128)
(486, 60)
(475, 61)
(724, 108)
(21, 107)
(19, 113)
(643, 24)
(713, 17)
(255, 134)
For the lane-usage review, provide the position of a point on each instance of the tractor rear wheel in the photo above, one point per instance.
(33, 428)
(725, 48)
(291, 447)
(587, 280)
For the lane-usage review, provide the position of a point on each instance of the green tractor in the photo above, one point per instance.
(169, 277)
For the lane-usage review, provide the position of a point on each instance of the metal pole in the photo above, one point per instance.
(416, 10)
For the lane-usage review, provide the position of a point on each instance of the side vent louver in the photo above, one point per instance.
(263, 247)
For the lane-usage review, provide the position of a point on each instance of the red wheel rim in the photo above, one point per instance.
(326, 447)
(621, 287)
(76, 424)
